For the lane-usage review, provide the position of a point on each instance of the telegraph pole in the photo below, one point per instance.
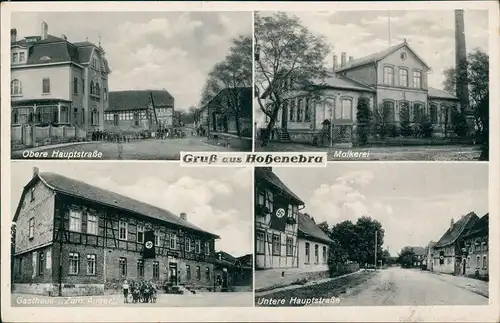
(376, 234)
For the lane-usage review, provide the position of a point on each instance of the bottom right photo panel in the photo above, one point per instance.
(373, 234)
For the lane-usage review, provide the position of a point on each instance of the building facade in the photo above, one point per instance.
(233, 273)
(56, 82)
(76, 239)
(314, 245)
(139, 110)
(448, 253)
(228, 112)
(475, 243)
(388, 82)
(420, 255)
(429, 256)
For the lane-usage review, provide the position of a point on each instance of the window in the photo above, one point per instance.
(308, 253)
(307, 111)
(403, 77)
(207, 248)
(75, 221)
(140, 268)
(41, 263)
(345, 112)
(434, 113)
(74, 263)
(14, 58)
(34, 263)
(92, 224)
(136, 119)
(122, 266)
(123, 228)
(48, 259)
(325, 255)
(75, 85)
(417, 111)
(46, 86)
(31, 231)
(91, 88)
(404, 106)
(478, 262)
(97, 89)
(173, 241)
(140, 233)
(388, 75)
(260, 243)
(261, 198)
(485, 262)
(207, 273)
(198, 272)
(289, 246)
(188, 272)
(269, 200)
(417, 80)
(115, 119)
(22, 57)
(316, 253)
(32, 194)
(292, 110)
(94, 117)
(157, 238)
(64, 115)
(188, 244)
(300, 110)
(388, 112)
(90, 264)
(15, 87)
(197, 246)
(276, 245)
(105, 92)
(156, 270)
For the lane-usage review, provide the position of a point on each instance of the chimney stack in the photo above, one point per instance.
(13, 35)
(335, 63)
(35, 171)
(63, 36)
(452, 223)
(184, 216)
(462, 88)
(351, 58)
(343, 60)
(45, 30)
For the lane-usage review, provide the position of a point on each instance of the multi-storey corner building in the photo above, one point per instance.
(58, 82)
(73, 238)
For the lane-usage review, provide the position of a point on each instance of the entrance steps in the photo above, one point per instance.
(282, 135)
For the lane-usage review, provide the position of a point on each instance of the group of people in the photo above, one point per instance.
(143, 291)
(100, 135)
(170, 133)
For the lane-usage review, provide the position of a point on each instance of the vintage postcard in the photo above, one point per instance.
(132, 85)
(373, 85)
(84, 235)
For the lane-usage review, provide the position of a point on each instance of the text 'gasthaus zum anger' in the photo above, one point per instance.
(254, 159)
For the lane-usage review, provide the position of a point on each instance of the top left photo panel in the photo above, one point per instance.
(129, 85)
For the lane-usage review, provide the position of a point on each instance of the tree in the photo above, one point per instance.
(366, 229)
(234, 72)
(407, 258)
(386, 258)
(324, 227)
(287, 56)
(346, 235)
(478, 79)
(405, 124)
(364, 119)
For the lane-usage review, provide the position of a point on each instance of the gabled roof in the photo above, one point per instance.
(375, 57)
(439, 94)
(138, 99)
(481, 227)
(246, 260)
(339, 81)
(267, 175)
(309, 229)
(419, 251)
(452, 234)
(79, 189)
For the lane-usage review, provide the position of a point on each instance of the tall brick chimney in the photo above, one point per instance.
(44, 30)
(343, 61)
(13, 35)
(335, 63)
(462, 88)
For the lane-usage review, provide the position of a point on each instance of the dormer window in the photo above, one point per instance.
(44, 58)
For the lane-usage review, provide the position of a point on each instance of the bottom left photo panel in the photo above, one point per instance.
(118, 234)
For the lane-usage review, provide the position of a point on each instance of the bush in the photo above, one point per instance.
(364, 118)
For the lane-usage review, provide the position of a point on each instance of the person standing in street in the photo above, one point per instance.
(125, 288)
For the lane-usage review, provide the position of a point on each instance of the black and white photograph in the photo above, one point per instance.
(130, 85)
(85, 235)
(373, 85)
(370, 234)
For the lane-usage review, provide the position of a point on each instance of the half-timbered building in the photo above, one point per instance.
(77, 239)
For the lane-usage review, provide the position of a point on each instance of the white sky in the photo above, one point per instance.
(415, 202)
(219, 201)
(149, 50)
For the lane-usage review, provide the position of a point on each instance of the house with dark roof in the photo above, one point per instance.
(387, 81)
(233, 273)
(74, 238)
(419, 254)
(314, 245)
(475, 246)
(136, 111)
(57, 82)
(449, 254)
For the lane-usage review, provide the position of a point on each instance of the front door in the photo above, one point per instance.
(172, 273)
(284, 115)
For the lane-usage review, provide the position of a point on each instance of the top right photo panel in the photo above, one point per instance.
(373, 85)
